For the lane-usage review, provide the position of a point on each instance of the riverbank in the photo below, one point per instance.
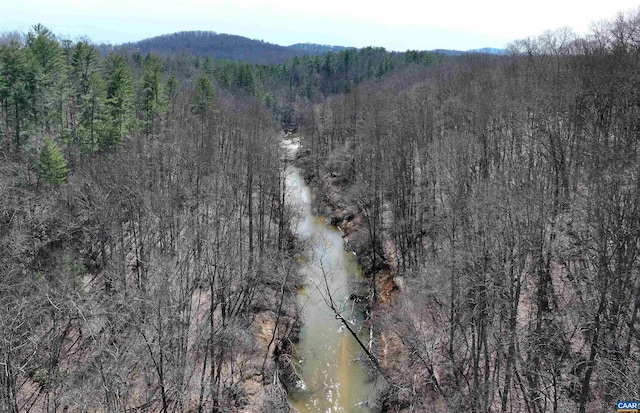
(337, 199)
(386, 296)
(333, 373)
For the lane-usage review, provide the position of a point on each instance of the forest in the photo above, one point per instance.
(218, 46)
(146, 256)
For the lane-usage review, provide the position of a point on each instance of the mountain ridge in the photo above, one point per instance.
(235, 47)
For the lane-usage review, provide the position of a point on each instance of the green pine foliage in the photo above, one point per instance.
(52, 167)
(153, 103)
(15, 93)
(119, 95)
(203, 95)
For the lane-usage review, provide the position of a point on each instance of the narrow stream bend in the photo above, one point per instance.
(333, 379)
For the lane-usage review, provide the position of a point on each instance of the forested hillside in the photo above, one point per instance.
(318, 49)
(146, 258)
(505, 196)
(219, 46)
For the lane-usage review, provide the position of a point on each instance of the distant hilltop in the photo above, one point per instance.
(217, 46)
(317, 48)
(234, 47)
(485, 50)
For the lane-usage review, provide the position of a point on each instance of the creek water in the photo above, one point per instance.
(333, 377)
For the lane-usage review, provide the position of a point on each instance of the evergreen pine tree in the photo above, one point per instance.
(52, 167)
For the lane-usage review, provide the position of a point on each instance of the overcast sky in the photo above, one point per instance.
(393, 24)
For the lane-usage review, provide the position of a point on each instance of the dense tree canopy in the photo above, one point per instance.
(501, 194)
(505, 193)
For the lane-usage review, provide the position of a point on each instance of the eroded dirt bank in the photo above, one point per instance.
(336, 197)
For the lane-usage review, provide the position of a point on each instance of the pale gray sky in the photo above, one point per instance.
(395, 24)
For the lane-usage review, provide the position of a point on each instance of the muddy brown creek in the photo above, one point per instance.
(329, 361)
